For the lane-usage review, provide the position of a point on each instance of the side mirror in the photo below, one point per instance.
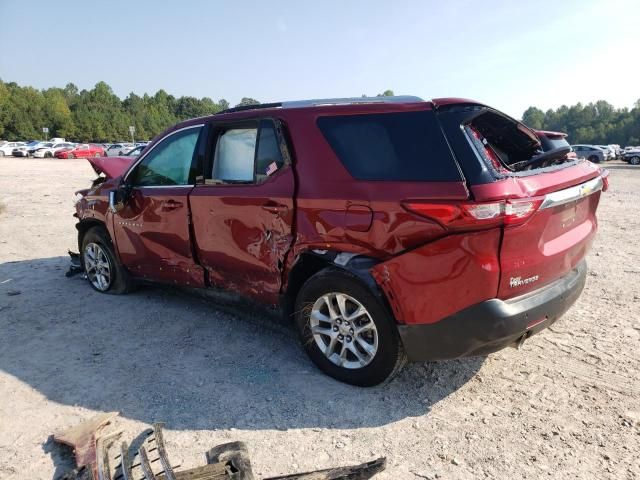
(116, 200)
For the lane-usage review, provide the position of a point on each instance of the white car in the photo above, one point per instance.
(119, 149)
(28, 149)
(610, 152)
(49, 152)
(7, 148)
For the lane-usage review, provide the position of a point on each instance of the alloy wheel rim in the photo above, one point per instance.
(96, 266)
(343, 330)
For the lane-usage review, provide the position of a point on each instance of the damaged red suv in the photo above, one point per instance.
(388, 228)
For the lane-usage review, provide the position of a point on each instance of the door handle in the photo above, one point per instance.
(171, 205)
(275, 208)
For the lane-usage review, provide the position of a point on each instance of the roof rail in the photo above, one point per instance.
(348, 101)
(325, 101)
(253, 106)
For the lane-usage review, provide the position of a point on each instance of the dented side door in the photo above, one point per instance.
(243, 231)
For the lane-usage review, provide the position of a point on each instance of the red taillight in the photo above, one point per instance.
(469, 215)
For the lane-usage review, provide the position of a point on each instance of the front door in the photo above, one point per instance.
(152, 230)
(242, 215)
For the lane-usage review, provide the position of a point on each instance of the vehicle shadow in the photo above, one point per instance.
(162, 354)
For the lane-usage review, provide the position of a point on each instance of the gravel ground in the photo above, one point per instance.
(565, 406)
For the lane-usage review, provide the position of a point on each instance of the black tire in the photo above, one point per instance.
(389, 357)
(48, 155)
(594, 159)
(71, 155)
(634, 160)
(120, 281)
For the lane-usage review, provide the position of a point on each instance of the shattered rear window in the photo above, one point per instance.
(507, 145)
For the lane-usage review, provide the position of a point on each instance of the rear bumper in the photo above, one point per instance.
(491, 325)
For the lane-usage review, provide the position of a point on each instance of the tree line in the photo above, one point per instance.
(598, 123)
(99, 115)
(96, 115)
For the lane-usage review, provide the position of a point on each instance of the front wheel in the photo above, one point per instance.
(594, 159)
(71, 155)
(634, 160)
(48, 154)
(346, 331)
(104, 273)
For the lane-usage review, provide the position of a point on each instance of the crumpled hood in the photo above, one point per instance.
(112, 167)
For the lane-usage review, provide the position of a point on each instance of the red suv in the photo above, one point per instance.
(388, 228)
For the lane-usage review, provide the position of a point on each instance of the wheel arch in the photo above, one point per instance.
(309, 263)
(83, 226)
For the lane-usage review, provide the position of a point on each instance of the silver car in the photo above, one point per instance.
(591, 152)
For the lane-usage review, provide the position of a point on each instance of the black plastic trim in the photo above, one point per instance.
(491, 325)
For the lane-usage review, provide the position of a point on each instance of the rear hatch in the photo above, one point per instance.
(544, 198)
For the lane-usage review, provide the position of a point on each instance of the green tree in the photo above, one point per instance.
(534, 117)
(247, 101)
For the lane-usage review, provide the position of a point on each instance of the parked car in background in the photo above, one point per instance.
(134, 152)
(616, 150)
(28, 149)
(552, 140)
(632, 155)
(49, 152)
(391, 235)
(118, 149)
(590, 152)
(81, 151)
(610, 152)
(8, 148)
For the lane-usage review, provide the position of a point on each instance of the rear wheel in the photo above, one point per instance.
(104, 273)
(634, 160)
(71, 155)
(346, 331)
(96, 155)
(594, 159)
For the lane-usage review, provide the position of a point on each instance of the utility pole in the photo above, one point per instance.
(132, 130)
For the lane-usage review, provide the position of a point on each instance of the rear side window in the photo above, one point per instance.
(249, 153)
(407, 146)
(233, 160)
(268, 157)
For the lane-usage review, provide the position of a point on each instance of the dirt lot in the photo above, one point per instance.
(565, 406)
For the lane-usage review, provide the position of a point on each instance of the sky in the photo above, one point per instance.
(509, 54)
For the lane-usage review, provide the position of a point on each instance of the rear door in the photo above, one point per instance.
(152, 230)
(243, 213)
